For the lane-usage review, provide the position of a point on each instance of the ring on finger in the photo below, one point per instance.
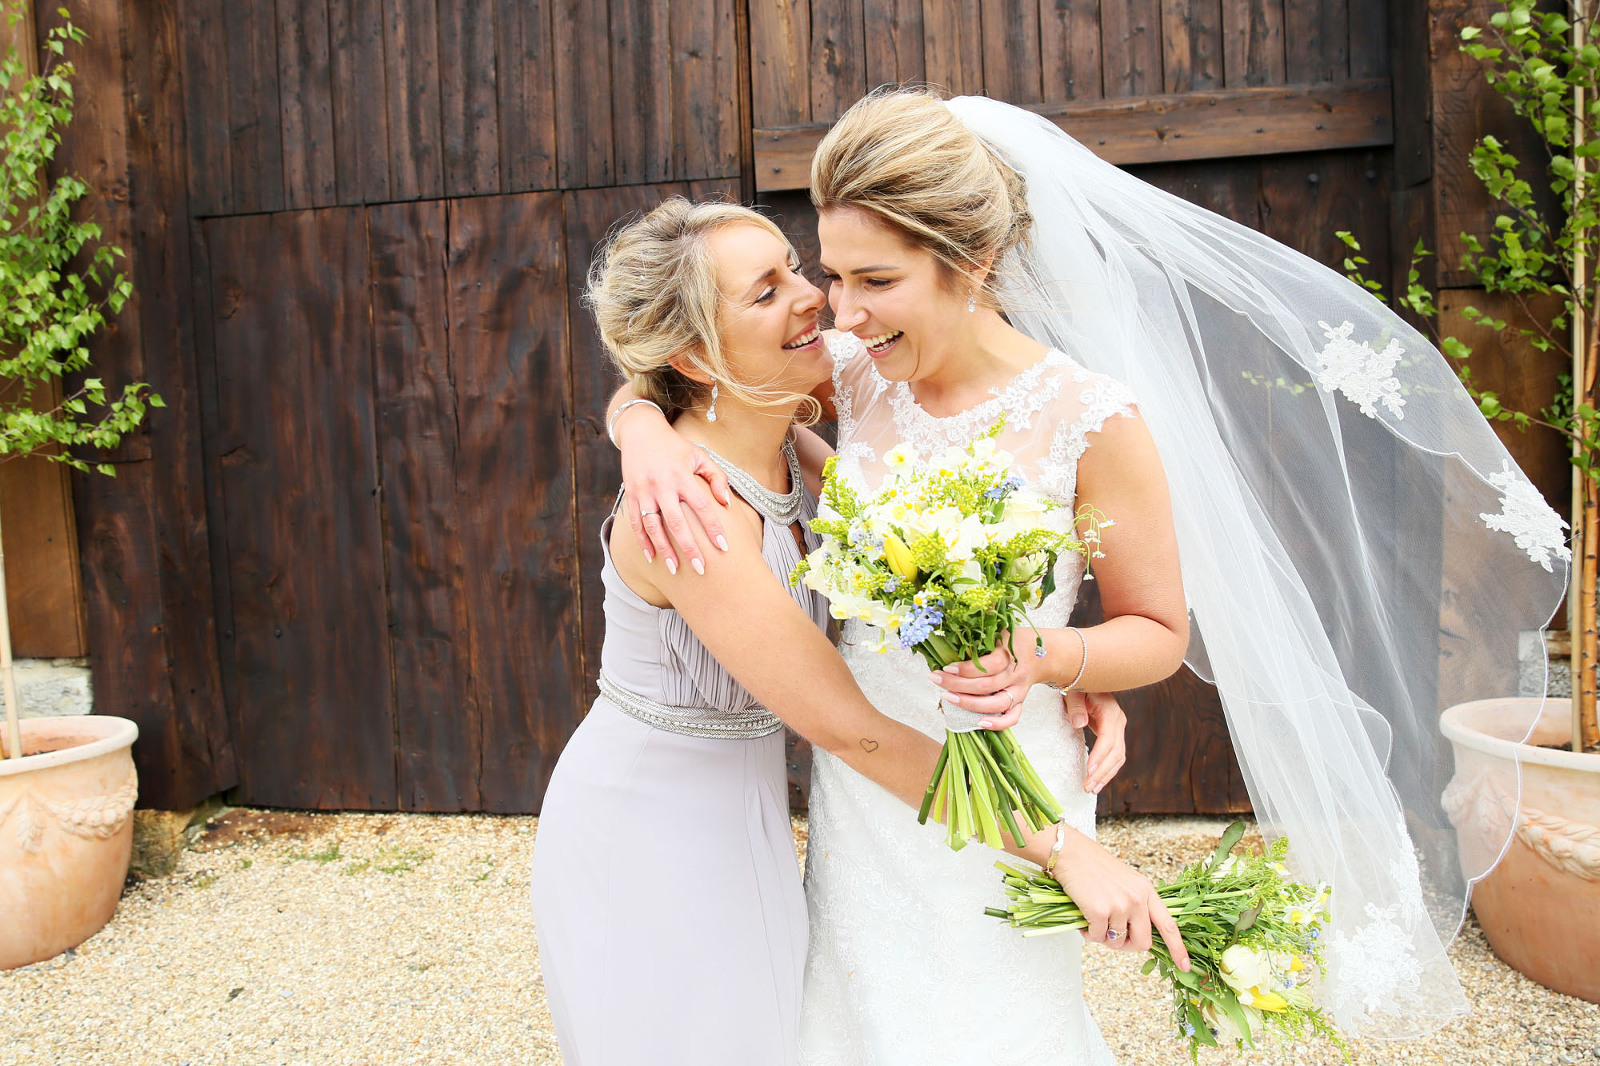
(1112, 936)
(646, 514)
(1011, 701)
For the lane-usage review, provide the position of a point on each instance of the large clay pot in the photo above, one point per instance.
(66, 828)
(1539, 906)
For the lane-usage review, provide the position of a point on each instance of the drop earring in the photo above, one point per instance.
(972, 302)
(711, 412)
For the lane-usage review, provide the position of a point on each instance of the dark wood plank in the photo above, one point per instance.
(1306, 198)
(525, 82)
(644, 76)
(305, 88)
(254, 112)
(583, 94)
(1151, 129)
(952, 35)
(1252, 43)
(1316, 36)
(44, 582)
(1130, 47)
(838, 57)
(1180, 754)
(895, 42)
(705, 89)
(1011, 51)
(161, 274)
(1411, 71)
(1369, 38)
(299, 487)
(780, 55)
(205, 107)
(1191, 45)
(360, 100)
(509, 352)
(1231, 188)
(1069, 46)
(468, 103)
(437, 729)
(411, 61)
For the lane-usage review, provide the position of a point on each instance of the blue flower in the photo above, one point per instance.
(891, 584)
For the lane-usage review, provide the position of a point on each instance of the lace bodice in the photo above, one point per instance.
(1050, 409)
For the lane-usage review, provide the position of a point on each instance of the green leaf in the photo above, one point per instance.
(1230, 836)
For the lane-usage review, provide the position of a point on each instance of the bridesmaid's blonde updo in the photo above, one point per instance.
(653, 289)
(902, 156)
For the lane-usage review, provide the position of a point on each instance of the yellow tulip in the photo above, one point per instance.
(899, 556)
(1267, 1000)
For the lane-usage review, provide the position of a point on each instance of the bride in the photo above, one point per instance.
(1331, 485)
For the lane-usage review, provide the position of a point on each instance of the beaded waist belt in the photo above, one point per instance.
(691, 721)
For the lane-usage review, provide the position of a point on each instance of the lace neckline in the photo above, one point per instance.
(910, 415)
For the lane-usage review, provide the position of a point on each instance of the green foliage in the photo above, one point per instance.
(58, 282)
(1530, 58)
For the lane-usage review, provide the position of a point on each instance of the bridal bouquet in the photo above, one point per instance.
(1252, 934)
(945, 559)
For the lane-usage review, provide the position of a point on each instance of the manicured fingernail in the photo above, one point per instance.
(672, 566)
(649, 556)
(699, 567)
(952, 669)
(953, 698)
(937, 679)
(722, 542)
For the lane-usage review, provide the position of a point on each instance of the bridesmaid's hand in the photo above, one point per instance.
(662, 472)
(1101, 712)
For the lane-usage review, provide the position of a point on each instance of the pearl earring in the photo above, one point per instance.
(972, 302)
(711, 412)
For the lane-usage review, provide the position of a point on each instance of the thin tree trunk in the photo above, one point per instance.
(8, 682)
(1586, 649)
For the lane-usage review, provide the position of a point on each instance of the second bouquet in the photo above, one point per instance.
(945, 559)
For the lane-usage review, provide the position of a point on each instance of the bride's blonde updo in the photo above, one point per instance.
(654, 293)
(903, 156)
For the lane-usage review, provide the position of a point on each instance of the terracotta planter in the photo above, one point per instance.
(66, 828)
(1538, 907)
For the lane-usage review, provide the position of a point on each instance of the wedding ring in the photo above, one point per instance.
(1012, 701)
(646, 514)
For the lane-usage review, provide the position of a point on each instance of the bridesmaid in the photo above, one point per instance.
(666, 893)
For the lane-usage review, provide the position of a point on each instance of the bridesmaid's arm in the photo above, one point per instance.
(753, 626)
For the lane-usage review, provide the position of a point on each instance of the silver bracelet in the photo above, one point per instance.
(1083, 662)
(611, 423)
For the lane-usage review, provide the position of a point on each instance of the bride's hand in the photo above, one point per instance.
(662, 472)
(993, 685)
(1101, 712)
(1116, 899)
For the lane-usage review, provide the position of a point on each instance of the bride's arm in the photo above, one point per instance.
(751, 624)
(1146, 631)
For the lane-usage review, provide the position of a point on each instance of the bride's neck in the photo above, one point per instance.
(988, 354)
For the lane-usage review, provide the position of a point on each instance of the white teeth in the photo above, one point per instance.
(807, 339)
(882, 339)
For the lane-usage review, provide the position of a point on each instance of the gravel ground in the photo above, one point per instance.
(352, 938)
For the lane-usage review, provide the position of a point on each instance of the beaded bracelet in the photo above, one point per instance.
(1083, 663)
(1055, 849)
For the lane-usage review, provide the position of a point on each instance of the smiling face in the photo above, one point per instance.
(900, 301)
(767, 321)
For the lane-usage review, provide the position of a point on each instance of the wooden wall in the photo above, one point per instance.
(354, 564)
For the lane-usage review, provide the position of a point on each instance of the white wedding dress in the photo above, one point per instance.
(904, 967)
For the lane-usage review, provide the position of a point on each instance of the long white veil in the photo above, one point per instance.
(1358, 548)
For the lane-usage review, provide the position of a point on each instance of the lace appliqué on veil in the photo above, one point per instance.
(1363, 375)
(1378, 962)
(1527, 517)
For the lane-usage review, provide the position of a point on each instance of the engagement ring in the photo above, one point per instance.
(1112, 934)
